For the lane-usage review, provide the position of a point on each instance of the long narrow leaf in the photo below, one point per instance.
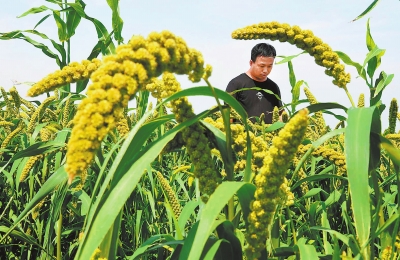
(357, 151)
(35, 10)
(117, 22)
(126, 178)
(209, 214)
(19, 35)
(55, 179)
(73, 20)
(369, 8)
(346, 59)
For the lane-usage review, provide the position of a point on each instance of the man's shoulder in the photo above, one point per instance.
(269, 83)
(240, 80)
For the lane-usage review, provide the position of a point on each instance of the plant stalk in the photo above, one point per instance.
(59, 228)
(349, 96)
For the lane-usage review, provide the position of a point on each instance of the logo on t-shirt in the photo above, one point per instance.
(259, 95)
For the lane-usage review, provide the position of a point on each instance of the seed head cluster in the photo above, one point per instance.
(116, 81)
(303, 39)
(196, 142)
(269, 180)
(71, 73)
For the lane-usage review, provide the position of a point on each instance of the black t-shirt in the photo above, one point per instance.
(256, 102)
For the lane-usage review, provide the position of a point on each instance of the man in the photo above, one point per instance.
(256, 102)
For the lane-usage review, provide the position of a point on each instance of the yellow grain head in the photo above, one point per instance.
(361, 100)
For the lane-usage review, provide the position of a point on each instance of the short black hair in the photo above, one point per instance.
(262, 49)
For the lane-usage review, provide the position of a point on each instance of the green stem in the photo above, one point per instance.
(349, 96)
(59, 228)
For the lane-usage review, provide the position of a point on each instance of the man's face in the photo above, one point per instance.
(260, 69)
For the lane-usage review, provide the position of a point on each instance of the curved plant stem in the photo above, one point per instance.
(349, 96)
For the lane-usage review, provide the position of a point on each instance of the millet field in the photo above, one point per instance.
(113, 163)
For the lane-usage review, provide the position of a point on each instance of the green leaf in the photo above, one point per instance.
(226, 231)
(307, 252)
(219, 139)
(82, 84)
(35, 10)
(369, 8)
(333, 198)
(346, 239)
(374, 63)
(346, 59)
(20, 235)
(19, 35)
(125, 173)
(245, 196)
(187, 211)
(41, 21)
(148, 244)
(102, 35)
(275, 126)
(320, 106)
(296, 94)
(392, 151)
(283, 252)
(369, 40)
(357, 151)
(78, 8)
(386, 79)
(213, 250)
(289, 58)
(61, 26)
(371, 60)
(117, 22)
(57, 178)
(387, 224)
(56, 45)
(38, 148)
(292, 76)
(209, 214)
(312, 192)
(73, 20)
(316, 178)
(85, 201)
